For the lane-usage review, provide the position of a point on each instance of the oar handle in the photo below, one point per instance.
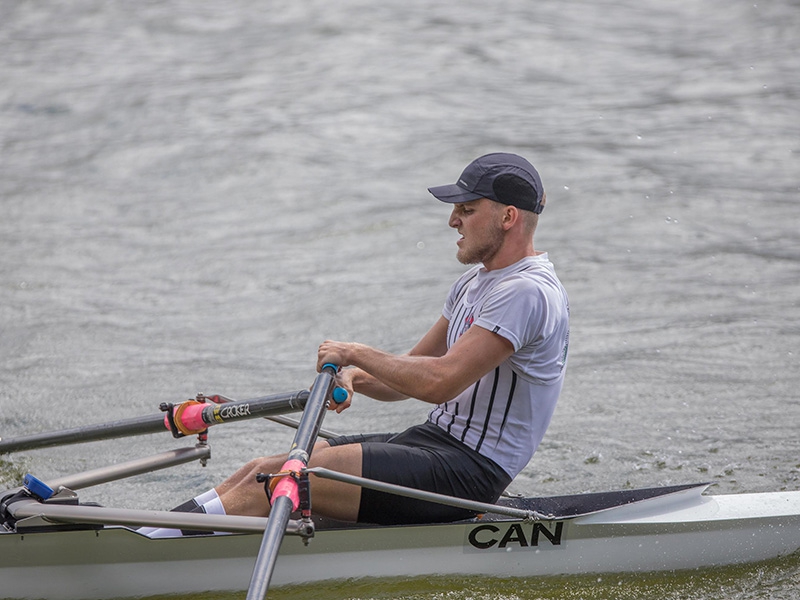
(339, 394)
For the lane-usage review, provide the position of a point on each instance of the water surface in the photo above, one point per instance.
(192, 197)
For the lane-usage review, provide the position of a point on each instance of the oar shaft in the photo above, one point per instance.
(309, 425)
(201, 416)
(284, 496)
(270, 545)
(205, 415)
(88, 433)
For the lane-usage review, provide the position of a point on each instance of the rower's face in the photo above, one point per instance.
(479, 223)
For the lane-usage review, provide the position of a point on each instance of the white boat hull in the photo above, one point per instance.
(678, 531)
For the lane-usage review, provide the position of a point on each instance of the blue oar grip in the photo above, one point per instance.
(339, 395)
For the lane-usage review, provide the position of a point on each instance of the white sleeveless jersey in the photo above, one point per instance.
(504, 415)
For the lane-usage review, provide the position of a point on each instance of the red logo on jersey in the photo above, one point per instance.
(467, 324)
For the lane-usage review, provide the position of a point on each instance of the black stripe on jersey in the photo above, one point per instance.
(489, 409)
(443, 412)
(458, 319)
(471, 410)
(456, 324)
(453, 418)
(508, 404)
(439, 416)
(463, 289)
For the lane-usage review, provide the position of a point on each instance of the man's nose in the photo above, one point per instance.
(454, 221)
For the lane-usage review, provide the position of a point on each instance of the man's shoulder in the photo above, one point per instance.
(529, 288)
(465, 278)
(532, 277)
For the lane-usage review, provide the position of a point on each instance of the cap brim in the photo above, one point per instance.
(453, 193)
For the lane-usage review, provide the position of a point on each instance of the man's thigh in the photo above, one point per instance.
(417, 468)
(335, 499)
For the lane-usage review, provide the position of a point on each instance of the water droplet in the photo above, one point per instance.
(421, 245)
(566, 187)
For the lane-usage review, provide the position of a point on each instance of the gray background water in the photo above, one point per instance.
(194, 195)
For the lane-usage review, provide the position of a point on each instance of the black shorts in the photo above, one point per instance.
(426, 458)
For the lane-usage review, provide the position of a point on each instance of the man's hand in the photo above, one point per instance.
(344, 381)
(335, 353)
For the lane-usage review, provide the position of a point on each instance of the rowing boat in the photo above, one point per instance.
(629, 531)
(56, 547)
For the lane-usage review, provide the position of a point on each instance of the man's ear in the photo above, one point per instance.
(510, 216)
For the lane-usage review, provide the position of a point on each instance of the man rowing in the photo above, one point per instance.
(492, 366)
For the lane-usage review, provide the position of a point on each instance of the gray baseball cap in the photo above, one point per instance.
(502, 177)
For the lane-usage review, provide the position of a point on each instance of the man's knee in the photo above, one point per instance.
(347, 458)
(264, 464)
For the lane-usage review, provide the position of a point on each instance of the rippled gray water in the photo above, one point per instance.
(194, 195)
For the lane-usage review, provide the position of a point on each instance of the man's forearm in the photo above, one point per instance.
(366, 384)
(429, 372)
(386, 376)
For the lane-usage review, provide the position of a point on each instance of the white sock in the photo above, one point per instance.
(214, 506)
(206, 496)
(211, 505)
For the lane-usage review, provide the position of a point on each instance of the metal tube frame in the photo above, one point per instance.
(399, 490)
(131, 468)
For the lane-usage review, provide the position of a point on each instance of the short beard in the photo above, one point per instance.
(484, 252)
